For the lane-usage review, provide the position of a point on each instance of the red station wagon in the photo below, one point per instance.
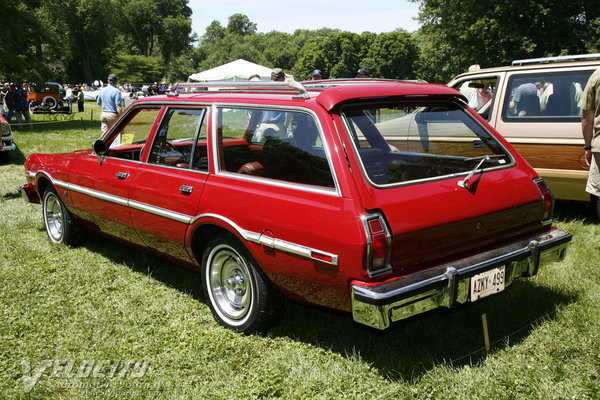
(382, 198)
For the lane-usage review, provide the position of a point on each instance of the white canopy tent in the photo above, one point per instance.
(238, 70)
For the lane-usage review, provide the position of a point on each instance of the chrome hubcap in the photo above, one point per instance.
(230, 286)
(54, 218)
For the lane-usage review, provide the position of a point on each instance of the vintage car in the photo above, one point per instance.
(545, 125)
(7, 143)
(382, 198)
(45, 96)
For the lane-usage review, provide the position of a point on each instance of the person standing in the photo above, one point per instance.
(590, 127)
(362, 73)
(110, 100)
(316, 75)
(69, 98)
(9, 99)
(80, 99)
(21, 106)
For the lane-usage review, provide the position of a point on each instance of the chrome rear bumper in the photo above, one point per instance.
(29, 194)
(445, 285)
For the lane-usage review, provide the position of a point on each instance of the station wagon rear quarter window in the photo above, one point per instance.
(545, 96)
(273, 143)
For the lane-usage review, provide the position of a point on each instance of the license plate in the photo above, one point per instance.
(487, 283)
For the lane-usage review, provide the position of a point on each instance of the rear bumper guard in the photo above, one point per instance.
(378, 305)
(29, 194)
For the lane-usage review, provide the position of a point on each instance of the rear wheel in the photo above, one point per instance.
(50, 102)
(60, 225)
(240, 296)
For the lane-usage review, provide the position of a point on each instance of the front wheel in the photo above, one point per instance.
(240, 296)
(60, 225)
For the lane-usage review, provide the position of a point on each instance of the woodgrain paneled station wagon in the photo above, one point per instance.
(544, 124)
(382, 198)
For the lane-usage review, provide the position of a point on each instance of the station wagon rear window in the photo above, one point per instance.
(409, 141)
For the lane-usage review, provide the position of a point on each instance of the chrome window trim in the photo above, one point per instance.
(250, 236)
(194, 138)
(282, 184)
(431, 179)
(285, 184)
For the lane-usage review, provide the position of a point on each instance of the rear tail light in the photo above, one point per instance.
(379, 245)
(547, 200)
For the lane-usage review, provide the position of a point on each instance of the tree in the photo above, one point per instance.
(213, 32)
(240, 24)
(163, 22)
(137, 68)
(492, 33)
(22, 40)
(393, 55)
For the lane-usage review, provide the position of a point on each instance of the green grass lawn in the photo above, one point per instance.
(106, 321)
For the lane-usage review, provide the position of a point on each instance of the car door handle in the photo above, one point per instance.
(122, 175)
(185, 189)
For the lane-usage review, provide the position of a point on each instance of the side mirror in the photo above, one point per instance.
(99, 147)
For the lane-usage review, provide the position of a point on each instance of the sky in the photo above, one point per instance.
(357, 16)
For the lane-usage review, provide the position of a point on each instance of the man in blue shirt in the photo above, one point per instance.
(110, 100)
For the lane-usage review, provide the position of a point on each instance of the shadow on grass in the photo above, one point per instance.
(568, 210)
(170, 274)
(405, 351)
(410, 348)
(64, 122)
(14, 157)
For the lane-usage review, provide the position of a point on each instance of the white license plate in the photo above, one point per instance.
(487, 283)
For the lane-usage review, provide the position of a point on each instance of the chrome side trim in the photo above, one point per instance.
(273, 243)
(93, 193)
(447, 284)
(257, 238)
(161, 212)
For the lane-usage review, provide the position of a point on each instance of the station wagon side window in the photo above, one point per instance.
(480, 93)
(174, 141)
(273, 143)
(129, 138)
(545, 97)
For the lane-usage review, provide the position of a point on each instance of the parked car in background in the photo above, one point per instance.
(382, 198)
(47, 96)
(534, 105)
(7, 144)
(91, 94)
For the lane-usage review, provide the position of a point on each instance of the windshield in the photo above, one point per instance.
(404, 141)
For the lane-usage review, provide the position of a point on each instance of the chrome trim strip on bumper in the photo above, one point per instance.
(9, 148)
(445, 285)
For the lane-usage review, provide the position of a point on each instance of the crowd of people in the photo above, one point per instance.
(16, 100)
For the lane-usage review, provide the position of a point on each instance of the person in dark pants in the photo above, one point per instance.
(80, 99)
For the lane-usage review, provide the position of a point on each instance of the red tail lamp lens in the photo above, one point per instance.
(547, 198)
(379, 244)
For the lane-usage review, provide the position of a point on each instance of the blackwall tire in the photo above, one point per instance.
(240, 296)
